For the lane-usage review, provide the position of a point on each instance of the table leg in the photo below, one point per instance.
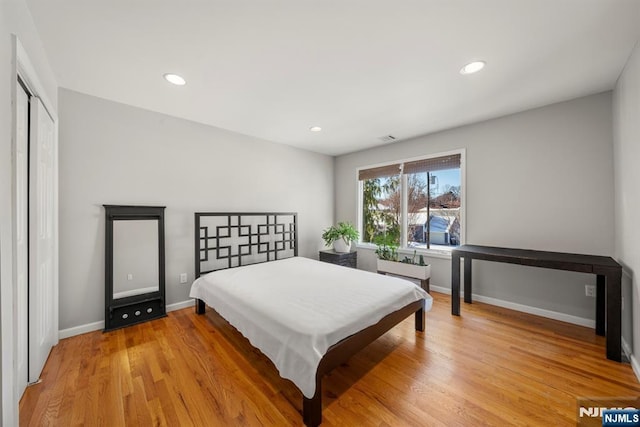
(600, 305)
(467, 279)
(455, 284)
(614, 315)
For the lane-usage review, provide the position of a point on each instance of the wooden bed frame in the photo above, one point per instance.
(271, 239)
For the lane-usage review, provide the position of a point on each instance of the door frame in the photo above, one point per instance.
(23, 67)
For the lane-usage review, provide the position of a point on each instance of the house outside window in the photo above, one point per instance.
(415, 204)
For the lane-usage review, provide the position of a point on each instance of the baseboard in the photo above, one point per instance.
(525, 308)
(181, 305)
(632, 360)
(97, 326)
(82, 329)
(626, 349)
(635, 366)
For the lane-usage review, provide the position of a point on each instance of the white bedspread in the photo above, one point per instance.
(294, 309)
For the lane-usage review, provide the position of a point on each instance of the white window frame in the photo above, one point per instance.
(403, 249)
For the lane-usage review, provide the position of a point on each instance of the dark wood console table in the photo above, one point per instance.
(608, 284)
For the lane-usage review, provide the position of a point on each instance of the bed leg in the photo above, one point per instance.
(420, 319)
(199, 306)
(312, 408)
(424, 284)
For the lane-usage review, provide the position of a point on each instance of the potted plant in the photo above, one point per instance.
(386, 250)
(340, 236)
(414, 267)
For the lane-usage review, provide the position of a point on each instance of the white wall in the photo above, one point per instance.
(15, 19)
(112, 153)
(541, 179)
(626, 131)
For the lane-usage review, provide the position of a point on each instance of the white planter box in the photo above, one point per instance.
(421, 272)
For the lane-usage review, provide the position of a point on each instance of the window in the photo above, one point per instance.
(413, 204)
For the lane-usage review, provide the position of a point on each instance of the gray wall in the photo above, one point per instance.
(541, 179)
(112, 153)
(626, 118)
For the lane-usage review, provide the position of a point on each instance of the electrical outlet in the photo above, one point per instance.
(129, 276)
(590, 290)
(183, 277)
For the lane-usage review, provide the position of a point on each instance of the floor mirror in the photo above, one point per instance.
(134, 265)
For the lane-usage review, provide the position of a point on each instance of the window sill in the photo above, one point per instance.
(402, 252)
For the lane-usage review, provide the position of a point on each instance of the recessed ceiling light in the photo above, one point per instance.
(472, 67)
(175, 79)
(315, 128)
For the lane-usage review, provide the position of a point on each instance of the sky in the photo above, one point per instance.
(446, 177)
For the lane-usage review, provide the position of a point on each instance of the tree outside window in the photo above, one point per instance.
(381, 210)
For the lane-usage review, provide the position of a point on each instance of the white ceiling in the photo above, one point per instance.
(360, 69)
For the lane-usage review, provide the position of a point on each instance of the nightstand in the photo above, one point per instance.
(347, 259)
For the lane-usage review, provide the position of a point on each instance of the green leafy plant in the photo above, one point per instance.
(387, 248)
(344, 230)
(407, 260)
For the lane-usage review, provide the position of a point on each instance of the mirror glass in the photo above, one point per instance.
(135, 257)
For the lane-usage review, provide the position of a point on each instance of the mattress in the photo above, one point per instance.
(294, 309)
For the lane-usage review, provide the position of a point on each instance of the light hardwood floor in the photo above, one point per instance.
(491, 366)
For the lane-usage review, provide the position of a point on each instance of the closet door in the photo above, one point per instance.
(43, 299)
(22, 238)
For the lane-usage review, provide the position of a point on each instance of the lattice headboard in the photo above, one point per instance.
(232, 239)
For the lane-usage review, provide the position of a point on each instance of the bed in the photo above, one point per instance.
(306, 316)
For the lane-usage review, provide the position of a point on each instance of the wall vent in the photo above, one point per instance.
(387, 138)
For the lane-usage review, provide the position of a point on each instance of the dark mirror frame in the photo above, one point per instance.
(140, 308)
